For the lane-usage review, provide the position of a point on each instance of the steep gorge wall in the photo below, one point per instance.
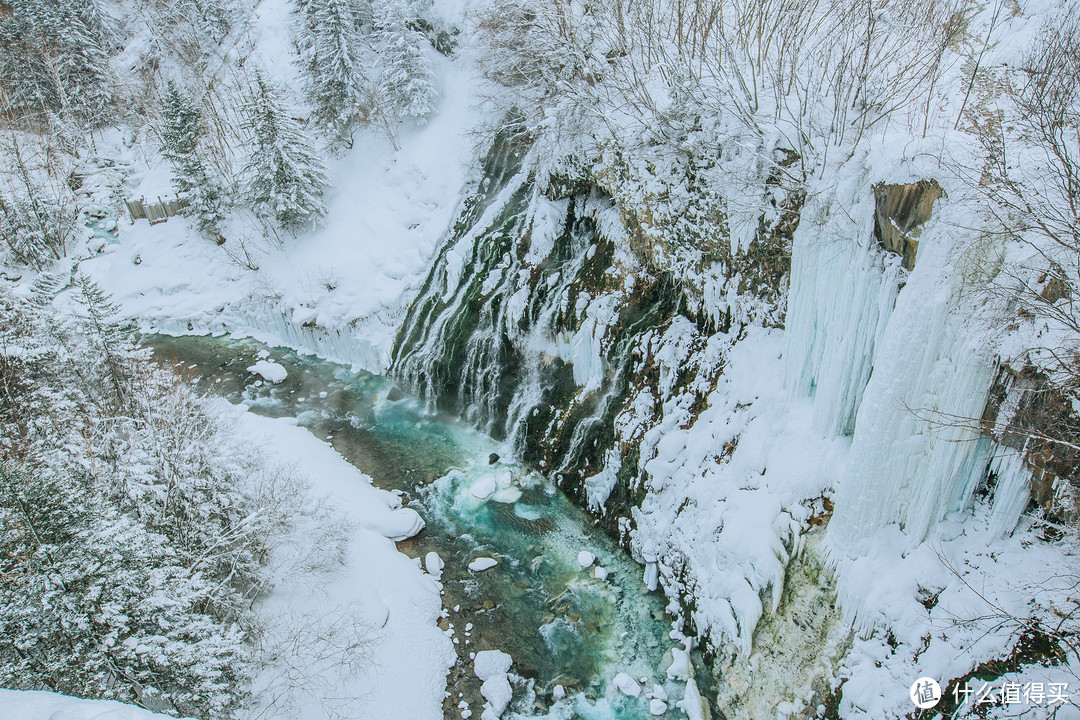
(712, 445)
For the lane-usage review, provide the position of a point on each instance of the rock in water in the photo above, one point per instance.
(434, 564)
(483, 489)
(489, 663)
(483, 563)
(269, 370)
(493, 458)
(627, 685)
(491, 667)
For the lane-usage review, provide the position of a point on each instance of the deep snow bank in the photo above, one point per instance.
(30, 705)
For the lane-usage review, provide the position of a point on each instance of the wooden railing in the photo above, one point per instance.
(155, 212)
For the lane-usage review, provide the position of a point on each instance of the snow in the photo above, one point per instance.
(37, 705)
(491, 667)
(483, 563)
(483, 489)
(434, 564)
(626, 685)
(657, 707)
(269, 370)
(410, 655)
(585, 559)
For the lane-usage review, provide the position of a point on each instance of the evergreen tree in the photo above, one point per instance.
(181, 134)
(53, 62)
(81, 62)
(406, 84)
(132, 540)
(183, 127)
(285, 176)
(333, 45)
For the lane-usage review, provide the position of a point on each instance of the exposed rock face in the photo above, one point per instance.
(901, 211)
(795, 648)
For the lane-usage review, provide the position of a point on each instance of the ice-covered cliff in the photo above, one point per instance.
(783, 485)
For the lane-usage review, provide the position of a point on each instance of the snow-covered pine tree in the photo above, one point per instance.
(53, 62)
(132, 538)
(82, 64)
(285, 177)
(183, 127)
(406, 83)
(29, 91)
(181, 134)
(333, 45)
(109, 340)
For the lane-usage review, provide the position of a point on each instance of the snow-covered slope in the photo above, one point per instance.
(405, 655)
(30, 705)
(342, 288)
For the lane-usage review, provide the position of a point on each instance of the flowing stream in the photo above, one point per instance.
(563, 625)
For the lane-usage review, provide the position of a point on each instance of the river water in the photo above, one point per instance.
(563, 625)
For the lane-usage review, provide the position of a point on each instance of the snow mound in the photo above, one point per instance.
(489, 663)
(434, 564)
(627, 685)
(37, 705)
(483, 563)
(269, 370)
(397, 525)
(483, 489)
(585, 558)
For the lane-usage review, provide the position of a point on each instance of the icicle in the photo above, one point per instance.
(916, 454)
(843, 288)
(1012, 491)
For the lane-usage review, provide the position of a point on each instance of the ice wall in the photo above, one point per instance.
(843, 288)
(905, 372)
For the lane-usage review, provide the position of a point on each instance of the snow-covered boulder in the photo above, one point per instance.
(680, 668)
(491, 667)
(483, 563)
(627, 685)
(434, 564)
(269, 371)
(695, 706)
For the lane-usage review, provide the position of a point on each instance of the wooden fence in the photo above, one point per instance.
(155, 212)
